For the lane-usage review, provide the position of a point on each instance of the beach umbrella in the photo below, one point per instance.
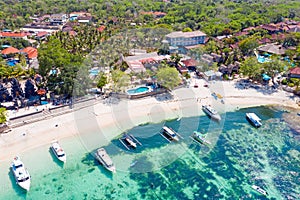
(41, 92)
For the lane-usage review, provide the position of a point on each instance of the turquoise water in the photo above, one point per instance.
(262, 59)
(240, 156)
(138, 90)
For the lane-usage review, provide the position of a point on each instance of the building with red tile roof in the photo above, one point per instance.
(264, 41)
(30, 52)
(9, 50)
(22, 35)
(241, 33)
(294, 72)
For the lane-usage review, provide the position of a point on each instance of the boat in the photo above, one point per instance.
(129, 141)
(105, 160)
(20, 173)
(58, 151)
(212, 113)
(200, 138)
(171, 133)
(259, 190)
(254, 119)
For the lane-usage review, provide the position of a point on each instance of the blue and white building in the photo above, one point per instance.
(180, 39)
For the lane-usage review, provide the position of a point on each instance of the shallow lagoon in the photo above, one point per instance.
(239, 157)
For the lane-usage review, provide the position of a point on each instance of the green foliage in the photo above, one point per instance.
(102, 80)
(187, 75)
(213, 17)
(17, 43)
(248, 45)
(188, 29)
(52, 55)
(291, 84)
(284, 82)
(168, 77)
(273, 67)
(2, 115)
(251, 68)
(225, 77)
(120, 79)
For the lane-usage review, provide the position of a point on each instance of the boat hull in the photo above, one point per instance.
(199, 138)
(259, 190)
(55, 147)
(60, 158)
(101, 156)
(215, 117)
(170, 133)
(21, 174)
(256, 125)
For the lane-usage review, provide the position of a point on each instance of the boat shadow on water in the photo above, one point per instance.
(20, 192)
(54, 158)
(90, 160)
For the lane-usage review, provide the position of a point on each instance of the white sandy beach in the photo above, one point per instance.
(111, 120)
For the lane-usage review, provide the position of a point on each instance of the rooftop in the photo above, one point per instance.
(31, 52)
(295, 70)
(9, 50)
(185, 34)
(10, 34)
(272, 48)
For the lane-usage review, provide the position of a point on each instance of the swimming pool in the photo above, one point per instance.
(262, 59)
(139, 90)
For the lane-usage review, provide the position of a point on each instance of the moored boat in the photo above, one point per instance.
(21, 174)
(259, 190)
(171, 133)
(105, 160)
(200, 138)
(212, 113)
(129, 141)
(58, 151)
(254, 119)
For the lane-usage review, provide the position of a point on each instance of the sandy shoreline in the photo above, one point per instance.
(111, 120)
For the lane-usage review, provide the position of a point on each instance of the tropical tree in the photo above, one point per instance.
(248, 45)
(168, 77)
(102, 80)
(29, 88)
(275, 66)
(4, 94)
(251, 68)
(2, 115)
(120, 79)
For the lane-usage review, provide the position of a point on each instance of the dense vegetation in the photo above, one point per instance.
(72, 56)
(211, 16)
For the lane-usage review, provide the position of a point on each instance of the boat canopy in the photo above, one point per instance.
(254, 116)
(171, 132)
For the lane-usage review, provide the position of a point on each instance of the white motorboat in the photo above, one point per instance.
(58, 151)
(105, 160)
(212, 113)
(21, 174)
(254, 119)
(259, 190)
(200, 138)
(171, 133)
